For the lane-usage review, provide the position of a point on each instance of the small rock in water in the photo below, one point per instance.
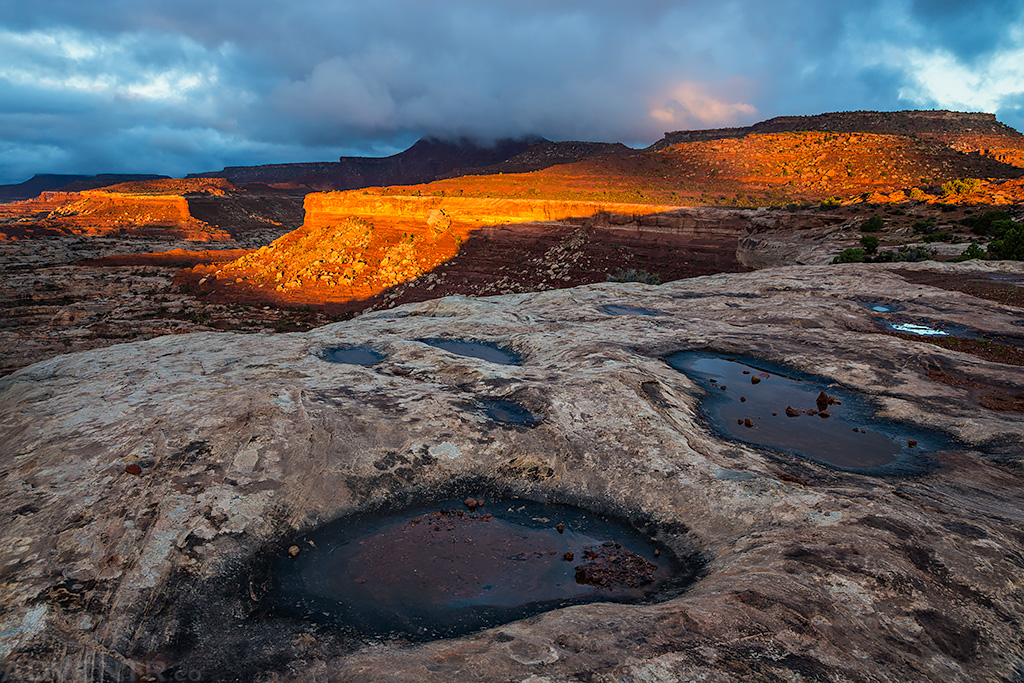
(743, 399)
(791, 411)
(748, 423)
(568, 557)
(912, 443)
(824, 413)
(822, 401)
(293, 551)
(755, 379)
(133, 469)
(471, 503)
(560, 528)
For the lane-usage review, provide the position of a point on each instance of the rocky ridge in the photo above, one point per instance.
(142, 482)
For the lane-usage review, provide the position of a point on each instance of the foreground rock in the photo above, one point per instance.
(143, 483)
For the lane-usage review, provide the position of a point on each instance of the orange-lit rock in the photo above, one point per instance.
(354, 245)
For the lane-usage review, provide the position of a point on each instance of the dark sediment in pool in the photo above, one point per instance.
(614, 309)
(458, 566)
(767, 405)
(477, 349)
(352, 355)
(509, 412)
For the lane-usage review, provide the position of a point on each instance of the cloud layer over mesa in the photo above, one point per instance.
(175, 87)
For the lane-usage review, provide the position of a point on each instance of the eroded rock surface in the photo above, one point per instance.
(142, 483)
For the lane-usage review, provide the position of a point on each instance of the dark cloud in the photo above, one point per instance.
(190, 85)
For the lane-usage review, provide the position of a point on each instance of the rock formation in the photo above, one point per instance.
(142, 485)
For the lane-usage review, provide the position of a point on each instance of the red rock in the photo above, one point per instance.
(824, 413)
(568, 557)
(133, 469)
(755, 380)
(791, 411)
(748, 423)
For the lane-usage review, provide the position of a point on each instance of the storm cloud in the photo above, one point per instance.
(176, 87)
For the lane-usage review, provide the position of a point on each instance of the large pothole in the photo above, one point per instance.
(460, 565)
(767, 405)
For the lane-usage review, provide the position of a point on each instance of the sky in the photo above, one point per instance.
(173, 87)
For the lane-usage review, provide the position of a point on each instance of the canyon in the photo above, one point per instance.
(199, 375)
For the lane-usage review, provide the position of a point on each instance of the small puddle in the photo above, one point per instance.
(614, 309)
(453, 568)
(509, 412)
(765, 405)
(487, 351)
(933, 330)
(353, 355)
(879, 305)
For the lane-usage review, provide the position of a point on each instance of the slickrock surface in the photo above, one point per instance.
(140, 483)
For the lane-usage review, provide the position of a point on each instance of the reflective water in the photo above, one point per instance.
(476, 349)
(509, 412)
(613, 309)
(448, 568)
(353, 355)
(792, 414)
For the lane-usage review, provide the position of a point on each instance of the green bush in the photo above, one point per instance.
(851, 255)
(870, 244)
(873, 224)
(983, 224)
(961, 186)
(1010, 247)
(830, 203)
(943, 236)
(634, 275)
(973, 251)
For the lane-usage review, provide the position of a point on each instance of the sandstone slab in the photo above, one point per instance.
(242, 442)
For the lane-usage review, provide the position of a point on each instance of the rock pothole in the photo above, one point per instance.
(764, 404)
(460, 565)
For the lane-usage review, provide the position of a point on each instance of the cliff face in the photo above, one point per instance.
(201, 209)
(355, 245)
(929, 123)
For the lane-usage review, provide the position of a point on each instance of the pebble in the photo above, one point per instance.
(133, 469)
(293, 551)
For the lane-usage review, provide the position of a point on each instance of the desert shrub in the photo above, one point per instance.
(914, 254)
(983, 224)
(830, 203)
(851, 255)
(926, 226)
(973, 251)
(944, 236)
(870, 244)
(916, 193)
(634, 275)
(1010, 246)
(905, 253)
(873, 224)
(961, 186)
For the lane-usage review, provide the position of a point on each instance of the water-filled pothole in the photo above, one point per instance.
(353, 355)
(879, 305)
(615, 309)
(767, 405)
(455, 567)
(477, 349)
(928, 330)
(509, 412)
